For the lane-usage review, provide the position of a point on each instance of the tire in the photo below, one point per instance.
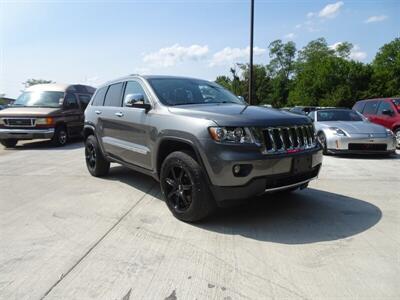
(185, 188)
(9, 143)
(322, 139)
(60, 137)
(397, 135)
(96, 164)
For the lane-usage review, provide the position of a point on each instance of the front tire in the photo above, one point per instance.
(185, 188)
(9, 143)
(96, 164)
(397, 135)
(322, 140)
(60, 137)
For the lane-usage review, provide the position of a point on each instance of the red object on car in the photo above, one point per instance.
(384, 111)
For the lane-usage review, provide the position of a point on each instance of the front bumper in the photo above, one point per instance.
(266, 172)
(361, 144)
(26, 134)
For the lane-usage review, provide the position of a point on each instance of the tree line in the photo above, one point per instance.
(318, 75)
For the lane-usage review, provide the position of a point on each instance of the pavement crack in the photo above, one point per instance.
(64, 275)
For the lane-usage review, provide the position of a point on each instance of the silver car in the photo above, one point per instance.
(347, 131)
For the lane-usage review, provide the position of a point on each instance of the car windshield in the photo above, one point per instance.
(40, 99)
(181, 91)
(338, 115)
(396, 103)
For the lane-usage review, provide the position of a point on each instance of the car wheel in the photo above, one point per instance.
(397, 135)
(9, 143)
(322, 140)
(60, 137)
(185, 189)
(97, 165)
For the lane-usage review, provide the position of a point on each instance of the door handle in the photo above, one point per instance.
(119, 114)
(98, 112)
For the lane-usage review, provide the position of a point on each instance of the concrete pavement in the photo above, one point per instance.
(67, 235)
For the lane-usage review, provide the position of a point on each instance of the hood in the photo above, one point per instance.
(29, 111)
(240, 115)
(356, 127)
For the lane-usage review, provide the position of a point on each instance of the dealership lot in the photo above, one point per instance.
(67, 235)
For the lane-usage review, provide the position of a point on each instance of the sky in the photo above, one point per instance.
(91, 42)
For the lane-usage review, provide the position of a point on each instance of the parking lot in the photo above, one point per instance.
(67, 235)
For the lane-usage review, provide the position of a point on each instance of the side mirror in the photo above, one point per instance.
(387, 112)
(136, 100)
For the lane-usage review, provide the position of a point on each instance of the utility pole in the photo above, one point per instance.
(251, 52)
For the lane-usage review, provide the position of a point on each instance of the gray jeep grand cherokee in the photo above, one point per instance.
(204, 144)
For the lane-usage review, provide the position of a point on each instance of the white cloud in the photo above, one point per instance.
(374, 19)
(298, 26)
(331, 10)
(355, 52)
(170, 56)
(228, 55)
(289, 36)
(310, 14)
(335, 45)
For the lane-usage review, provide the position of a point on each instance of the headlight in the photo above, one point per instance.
(1, 121)
(237, 135)
(338, 131)
(44, 121)
(388, 132)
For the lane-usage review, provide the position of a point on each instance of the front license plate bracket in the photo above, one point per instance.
(302, 164)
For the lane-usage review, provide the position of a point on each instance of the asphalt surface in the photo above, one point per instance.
(67, 235)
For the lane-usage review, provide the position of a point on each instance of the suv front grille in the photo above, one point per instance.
(289, 139)
(19, 122)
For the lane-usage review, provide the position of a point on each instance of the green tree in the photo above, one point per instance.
(326, 76)
(280, 69)
(33, 81)
(386, 68)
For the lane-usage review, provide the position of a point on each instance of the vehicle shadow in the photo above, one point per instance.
(46, 145)
(301, 217)
(368, 156)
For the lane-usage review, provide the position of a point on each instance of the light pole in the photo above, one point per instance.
(251, 52)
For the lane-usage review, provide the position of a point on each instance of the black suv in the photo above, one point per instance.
(203, 144)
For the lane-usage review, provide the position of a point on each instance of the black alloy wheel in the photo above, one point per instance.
(179, 188)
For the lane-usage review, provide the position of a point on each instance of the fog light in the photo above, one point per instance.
(236, 169)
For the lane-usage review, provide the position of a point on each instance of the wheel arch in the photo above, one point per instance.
(171, 144)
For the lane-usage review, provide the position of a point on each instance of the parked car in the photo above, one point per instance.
(347, 131)
(201, 142)
(385, 112)
(45, 111)
(302, 110)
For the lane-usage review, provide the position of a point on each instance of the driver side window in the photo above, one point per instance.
(134, 87)
(70, 101)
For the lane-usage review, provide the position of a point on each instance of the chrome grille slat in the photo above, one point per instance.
(19, 122)
(281, 139)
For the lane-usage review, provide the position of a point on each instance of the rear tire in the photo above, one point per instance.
(97, 165)
(9, 143)
(60, 137)
(185, 188)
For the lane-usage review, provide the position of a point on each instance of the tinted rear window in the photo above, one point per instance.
(114, 95)
(98, 99)
(371, 107)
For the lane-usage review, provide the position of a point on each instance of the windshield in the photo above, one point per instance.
(181, 91)
(396, 103)
(40, 99)
(338, 115)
